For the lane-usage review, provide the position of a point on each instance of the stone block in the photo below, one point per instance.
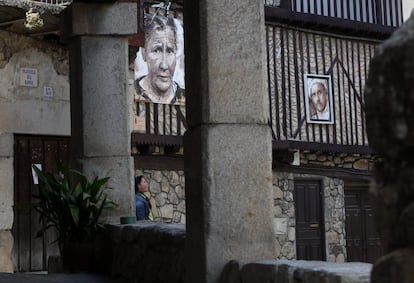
(280, 225)
(394, 267)
(6, 246)
(277, 192)
(104, 106)
(259, 272)
(6, 145)
(167, 211)
(229, 83)
(6, 193)
(361, 164)
(101, 19)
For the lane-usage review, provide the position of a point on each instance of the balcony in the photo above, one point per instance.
(13, 16)
(368, 18)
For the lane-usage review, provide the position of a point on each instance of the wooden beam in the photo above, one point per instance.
(323, 147)
(158, 162)
(139, 138)
(335, 172)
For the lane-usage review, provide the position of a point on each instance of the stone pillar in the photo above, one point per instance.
(389, 109)
(6, 246)
(228, 144)
(100, 105)
(6, 202)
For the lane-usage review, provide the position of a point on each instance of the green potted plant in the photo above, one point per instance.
(73, 205)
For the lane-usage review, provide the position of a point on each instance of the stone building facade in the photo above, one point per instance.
(168, 197)
(41, 108)
(292, 52)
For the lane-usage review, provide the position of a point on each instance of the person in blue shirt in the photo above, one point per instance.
(142, 204)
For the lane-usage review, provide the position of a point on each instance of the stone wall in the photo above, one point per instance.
(154, 252)
(363, 162)
(168, 197)
(144, 252)
(284, 211)
(296, 271)
(167, 194)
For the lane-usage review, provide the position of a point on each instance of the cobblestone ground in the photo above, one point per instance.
(54, 278)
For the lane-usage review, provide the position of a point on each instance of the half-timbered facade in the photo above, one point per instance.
(322, 167)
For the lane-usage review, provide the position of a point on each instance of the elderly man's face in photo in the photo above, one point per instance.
(319, 96)
(160, 51)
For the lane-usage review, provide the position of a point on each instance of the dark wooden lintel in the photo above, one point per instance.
(335, 172)
(323, 147)
(159, 162)
(150, 139)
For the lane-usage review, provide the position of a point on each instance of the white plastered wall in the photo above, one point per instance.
(26, 110)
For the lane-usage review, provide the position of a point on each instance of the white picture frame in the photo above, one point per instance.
(318, 99)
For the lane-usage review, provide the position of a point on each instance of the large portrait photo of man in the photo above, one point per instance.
(318, 99)
(159, 65)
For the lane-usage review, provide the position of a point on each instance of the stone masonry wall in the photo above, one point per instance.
(167, 195)
(365, 162)
(284, 210)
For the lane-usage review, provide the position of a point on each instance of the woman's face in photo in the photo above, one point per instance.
(160, 55)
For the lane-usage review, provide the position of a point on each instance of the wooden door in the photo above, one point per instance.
(310, 232)
(363, 242)
(30, 253)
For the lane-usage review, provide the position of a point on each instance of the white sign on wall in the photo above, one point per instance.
(48, 92)
(28, 77)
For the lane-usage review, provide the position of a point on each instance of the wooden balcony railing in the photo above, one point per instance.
(159, 124)
(381, 12)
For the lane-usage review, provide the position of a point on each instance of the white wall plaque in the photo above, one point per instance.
(28, 77)
(48, 92)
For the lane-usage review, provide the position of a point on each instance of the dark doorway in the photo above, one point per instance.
(363, 242)
(310, 232)
(30, 253)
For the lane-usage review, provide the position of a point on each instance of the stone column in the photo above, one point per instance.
(6, 203)
(100, 105)
(228, 145)
(389, 109)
